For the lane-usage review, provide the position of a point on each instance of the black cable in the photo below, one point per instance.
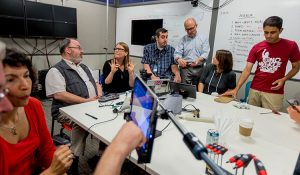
(184, 108)
(103, 122)
(196, 111)
(165, 127)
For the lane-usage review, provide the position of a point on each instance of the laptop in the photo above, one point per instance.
(159, 87)
(186, 90)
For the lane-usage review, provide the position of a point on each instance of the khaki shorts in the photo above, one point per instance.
(265, 100)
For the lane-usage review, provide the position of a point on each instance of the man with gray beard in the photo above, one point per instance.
(70, 82)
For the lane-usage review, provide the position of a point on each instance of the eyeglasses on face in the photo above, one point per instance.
(77, 47)
(119, 49)
(3, 94)
(192, 28)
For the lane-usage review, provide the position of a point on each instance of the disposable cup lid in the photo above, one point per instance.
(246, 123)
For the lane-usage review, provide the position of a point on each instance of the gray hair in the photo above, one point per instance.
(190, 19)
(2, 50)
(63, 45)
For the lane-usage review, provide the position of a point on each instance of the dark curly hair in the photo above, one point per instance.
(15, 58)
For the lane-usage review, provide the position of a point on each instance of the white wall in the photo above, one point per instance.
(173, 15)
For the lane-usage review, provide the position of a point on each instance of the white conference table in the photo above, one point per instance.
(275, 139)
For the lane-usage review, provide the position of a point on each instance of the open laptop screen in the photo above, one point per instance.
(186, 90)
(160, 87)
(142, 113)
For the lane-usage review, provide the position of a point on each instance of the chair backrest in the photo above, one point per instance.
(101, 79)
(247, 89)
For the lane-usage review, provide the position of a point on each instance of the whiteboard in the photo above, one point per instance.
(173, 15)
(239, 26)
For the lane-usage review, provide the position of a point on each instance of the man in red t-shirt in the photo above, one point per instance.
(272, 56)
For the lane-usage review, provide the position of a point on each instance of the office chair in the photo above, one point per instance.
(63, 126)
(61, 134)
(247, 89)
(101, 79)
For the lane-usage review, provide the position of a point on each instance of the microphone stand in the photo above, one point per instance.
(193, 143)
(105, 48)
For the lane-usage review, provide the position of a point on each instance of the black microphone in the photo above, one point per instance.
(259, 166)
(145, 75)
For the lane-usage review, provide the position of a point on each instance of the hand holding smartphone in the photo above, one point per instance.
(293, 106)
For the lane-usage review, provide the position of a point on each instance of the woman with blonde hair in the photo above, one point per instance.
(118, 73)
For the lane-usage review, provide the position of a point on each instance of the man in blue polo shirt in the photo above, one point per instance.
(158, 58)
(191, 52)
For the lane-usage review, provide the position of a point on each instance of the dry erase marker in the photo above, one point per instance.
(91, 116)
(293, 106)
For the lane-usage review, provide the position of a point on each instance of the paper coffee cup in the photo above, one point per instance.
(246, 126)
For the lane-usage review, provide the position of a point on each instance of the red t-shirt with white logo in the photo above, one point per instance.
(272, 61)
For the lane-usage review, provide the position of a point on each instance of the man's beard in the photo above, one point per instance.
(76, 60)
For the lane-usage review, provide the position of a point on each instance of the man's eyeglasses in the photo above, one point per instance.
(3, 94)
(192, 28)
(119, 49)
(77, 47)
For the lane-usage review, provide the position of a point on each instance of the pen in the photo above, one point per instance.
(293, 106)
(91, 116)
(273, 111)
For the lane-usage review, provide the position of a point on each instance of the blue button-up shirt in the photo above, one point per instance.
(160, 61)
(191, 48)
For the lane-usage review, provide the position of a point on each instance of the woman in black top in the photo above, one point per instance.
(118, 73)
(218, 77)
